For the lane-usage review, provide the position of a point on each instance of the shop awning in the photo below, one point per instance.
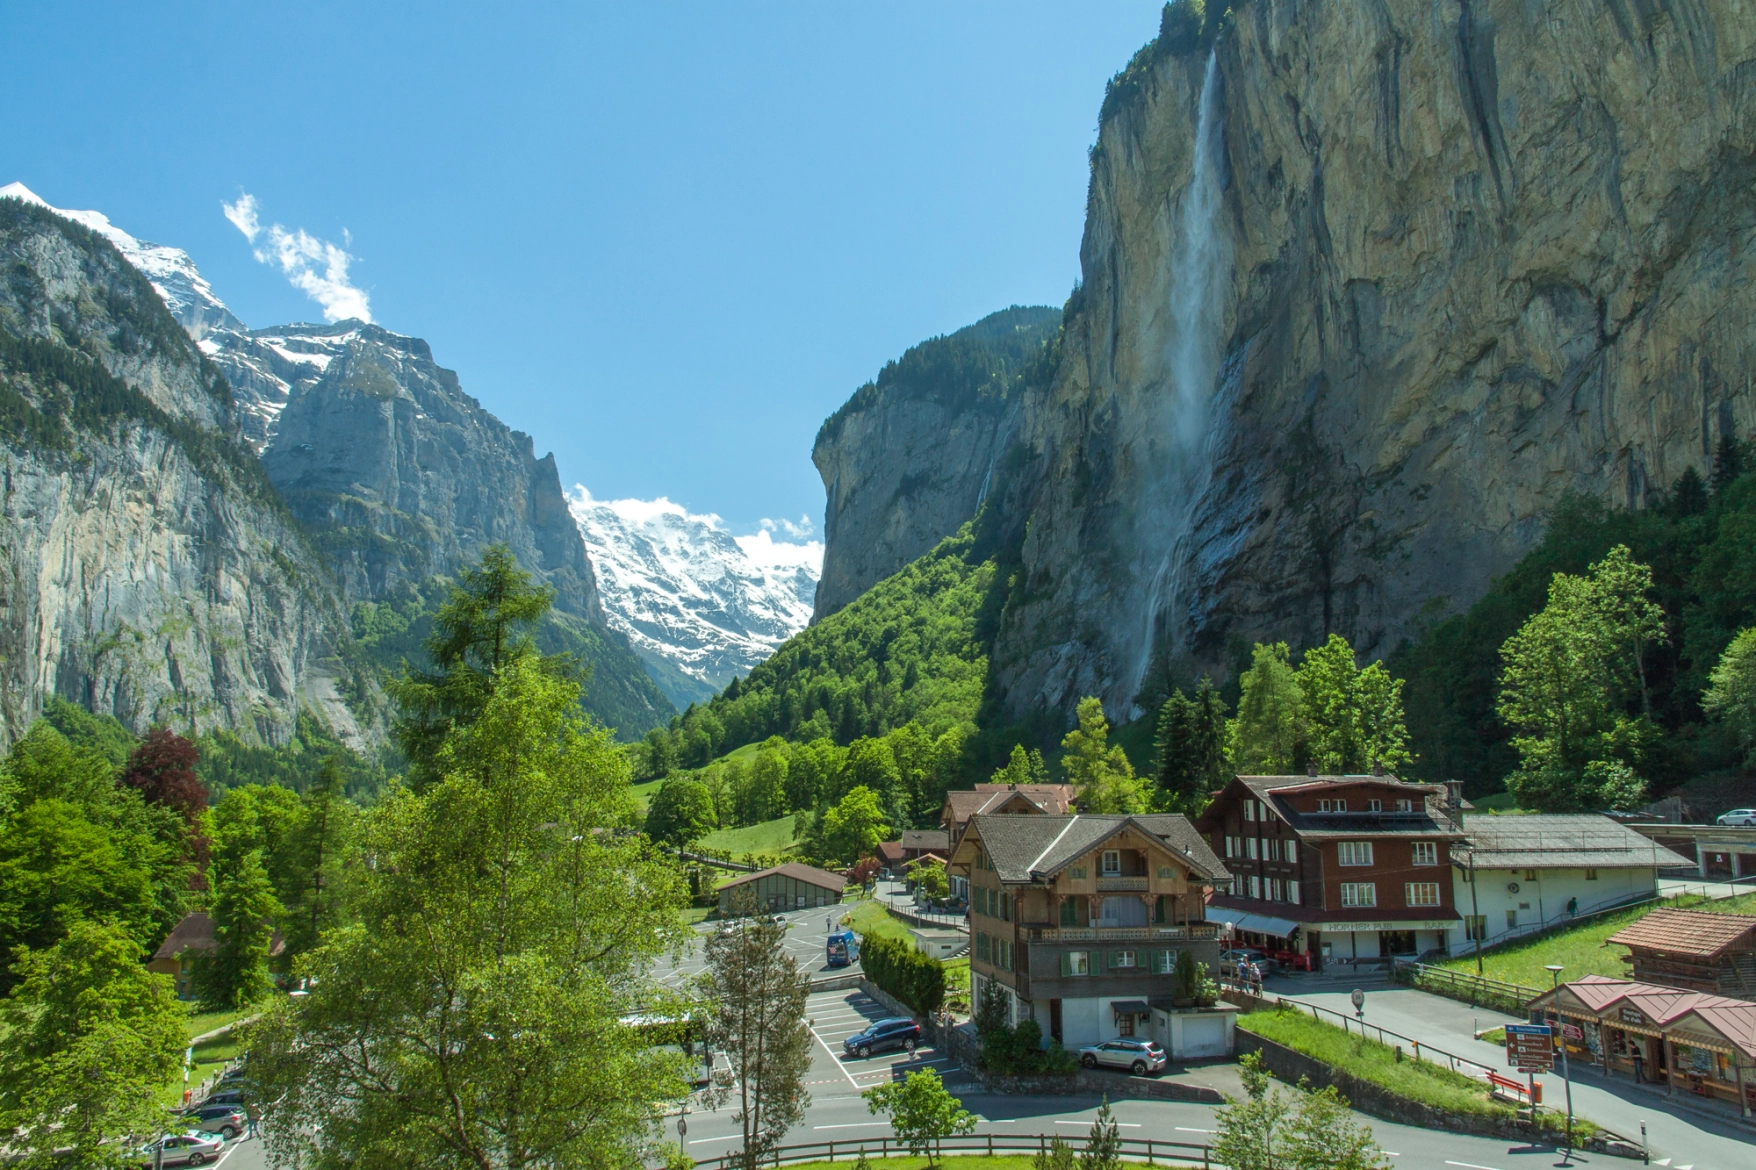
(1130, 1007)
(1259, 923)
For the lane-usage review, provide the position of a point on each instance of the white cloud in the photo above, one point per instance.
(764, 550)
(315, 267)
(797, 531)
(243, 216)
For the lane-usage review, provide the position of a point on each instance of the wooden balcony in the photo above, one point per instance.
(1194, 932)
(1122, 884)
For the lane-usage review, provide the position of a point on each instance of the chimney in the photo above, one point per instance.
(1377, 767)
(1311, 768)
(1454, 794)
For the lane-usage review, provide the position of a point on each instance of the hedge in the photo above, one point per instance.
(916, 979)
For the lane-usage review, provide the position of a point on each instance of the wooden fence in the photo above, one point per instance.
(1150, 1151)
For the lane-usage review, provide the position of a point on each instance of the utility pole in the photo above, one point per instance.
(1475, 912)
(1554, 970)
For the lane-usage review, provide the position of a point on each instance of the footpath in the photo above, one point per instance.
(1677, 1128)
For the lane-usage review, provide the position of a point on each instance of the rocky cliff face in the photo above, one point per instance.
(912, 454)
(402, 476)
(1448, 261)
(147, 566)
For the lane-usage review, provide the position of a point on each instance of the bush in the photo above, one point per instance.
(898, 968)
(1013, 1051)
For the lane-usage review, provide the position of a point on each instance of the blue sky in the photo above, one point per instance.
(664, 239)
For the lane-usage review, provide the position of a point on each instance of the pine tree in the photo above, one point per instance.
(1191, 749)
(1103, 1145)
(243, 907)
(1267, 736)
(1105, 778)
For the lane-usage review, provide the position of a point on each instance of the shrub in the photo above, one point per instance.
(916, 979)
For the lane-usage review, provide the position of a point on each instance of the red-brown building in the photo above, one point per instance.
(1334, 868)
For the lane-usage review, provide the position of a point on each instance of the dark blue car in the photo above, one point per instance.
(884, 1036)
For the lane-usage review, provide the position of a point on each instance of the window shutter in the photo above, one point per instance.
(1066, 963)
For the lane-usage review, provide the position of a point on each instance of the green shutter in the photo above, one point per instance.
(1066, 963)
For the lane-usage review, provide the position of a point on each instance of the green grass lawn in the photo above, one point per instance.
(643, 792)
(201, 1022)
(774, 836)
(1579, 949)
(871, 917)
(1371, 1061)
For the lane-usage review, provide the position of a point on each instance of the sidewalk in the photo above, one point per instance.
(1680, 1128)
(895, 897)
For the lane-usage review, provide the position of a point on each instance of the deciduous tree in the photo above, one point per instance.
(1732, 696)
(853, 827)
(681, 812)
(758, 995)
(922, 1113)
(1265, 738)
(1106, 780)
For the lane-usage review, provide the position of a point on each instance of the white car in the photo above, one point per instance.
(1137, 1056)
(1738, 816)
(183, 1149)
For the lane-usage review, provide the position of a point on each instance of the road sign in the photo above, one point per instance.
(1358, 997)
(1531, 1047)
(1572, 1031)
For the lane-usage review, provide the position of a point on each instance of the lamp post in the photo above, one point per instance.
(1554, 970)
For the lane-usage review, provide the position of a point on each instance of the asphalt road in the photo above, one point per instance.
(805, 938)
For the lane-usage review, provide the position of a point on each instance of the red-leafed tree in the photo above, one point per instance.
(163, 769)
(863, 870)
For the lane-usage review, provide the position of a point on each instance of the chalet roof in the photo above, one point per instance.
(925, 839)
(1420, 821)
(1561, 841)
(195, 933)
(1663, 1007)
(1055, 799)
(1687, 932)
(799, 871)
(1031, 848)
(890, 851)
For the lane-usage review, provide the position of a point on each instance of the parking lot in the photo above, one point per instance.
(806, 934)
(836, 1015)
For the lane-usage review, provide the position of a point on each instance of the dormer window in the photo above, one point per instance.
(1112, 863)
(1332, 806)
(1249, 810)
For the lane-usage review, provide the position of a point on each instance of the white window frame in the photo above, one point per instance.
(1405, 805)
(1293, 890)
(1112, 863)
(1126, 960)
(1359, 895)
(1415, 893)
(1289, 852)
(1230, 842)
(1374, 806)
(1424, 853)
(1255, 887)
(1356, 854)
(1249, 810)
(1078, 963)
(1276, 890)
(1250, 848)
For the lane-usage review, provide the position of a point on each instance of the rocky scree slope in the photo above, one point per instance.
(914, 452)
(147, 566)
(1367, 289)
(695, 604)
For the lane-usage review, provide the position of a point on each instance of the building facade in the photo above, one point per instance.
(1324, 869)
(1516, 875)
(793, 886)
(1081, 919)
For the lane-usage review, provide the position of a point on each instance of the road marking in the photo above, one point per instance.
(852, 1125)
(1136, 1125)
(1469, 1165)
(700, 1141)
(832, 1056)
(1186, 1129)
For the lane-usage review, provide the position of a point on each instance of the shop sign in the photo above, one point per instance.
(1572, 1032)
(1632, 1016)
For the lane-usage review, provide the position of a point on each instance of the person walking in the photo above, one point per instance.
(252, 1117)
(1255, 980)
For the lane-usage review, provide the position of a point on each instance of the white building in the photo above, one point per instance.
(1521, 873)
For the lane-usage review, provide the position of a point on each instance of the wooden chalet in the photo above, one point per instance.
(1693, 950)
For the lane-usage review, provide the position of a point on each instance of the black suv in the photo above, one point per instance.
(882, 1036)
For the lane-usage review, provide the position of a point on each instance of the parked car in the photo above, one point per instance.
(1738, 816)
(1228, 961)
(182, 1149)
(1137, 1056)
(227, 1120)
(884, 1036)
(233, 1096)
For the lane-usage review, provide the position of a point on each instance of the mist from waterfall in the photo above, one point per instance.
(1200, 273)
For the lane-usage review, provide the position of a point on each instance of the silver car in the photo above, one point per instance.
(1738, 816)
(1137, 1056)
(182, 1149)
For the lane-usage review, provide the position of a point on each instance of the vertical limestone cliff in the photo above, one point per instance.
(147, 567)
(912, 454)
(1462, 257)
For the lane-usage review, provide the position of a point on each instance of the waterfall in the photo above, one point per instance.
(1200, 273)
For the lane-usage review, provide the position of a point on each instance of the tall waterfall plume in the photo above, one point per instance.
(1200, 272)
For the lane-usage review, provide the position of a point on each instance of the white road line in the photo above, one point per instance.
(853, 1125)
(1136, 1125)
(737, 1137)
(1469, 1165)
(1186, 1129)
(832, 1056)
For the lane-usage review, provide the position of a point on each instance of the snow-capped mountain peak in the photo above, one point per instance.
(699, 604)
(173, 274)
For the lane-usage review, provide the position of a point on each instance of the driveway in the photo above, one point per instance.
(1446, 1024)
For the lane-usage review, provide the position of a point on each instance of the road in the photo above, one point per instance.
(1684, 1138)
(805, 937)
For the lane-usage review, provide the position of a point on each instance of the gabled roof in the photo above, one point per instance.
(960, 806)
(1688, 932)
(1420, 821)
(798, 870)
(1663, 1007)
(890, 851)
(1561, 841)
(195, 933)
(918, 839)
(1025, 849)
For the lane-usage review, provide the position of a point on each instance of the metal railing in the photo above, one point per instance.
(1422, 1051)
(1461, 985)
(1151, 1151)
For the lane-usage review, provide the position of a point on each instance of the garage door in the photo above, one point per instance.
(1204, 1036)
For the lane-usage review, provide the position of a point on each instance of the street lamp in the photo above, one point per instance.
(1554, 970)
